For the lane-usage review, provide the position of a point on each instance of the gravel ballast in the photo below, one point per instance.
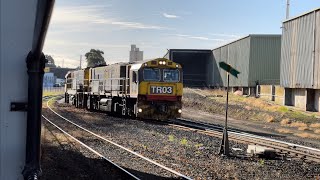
(188, 152)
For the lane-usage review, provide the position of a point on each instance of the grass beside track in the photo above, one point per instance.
(52, 93)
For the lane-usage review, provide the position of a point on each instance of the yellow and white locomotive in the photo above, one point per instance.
(151, 89)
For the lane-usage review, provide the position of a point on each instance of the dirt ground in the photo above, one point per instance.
(254, 115)
(188, 152)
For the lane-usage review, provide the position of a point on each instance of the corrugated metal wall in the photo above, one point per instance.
(286, 61)
(224, 57)
(265, 56)
(238, 57)
(317, 52)
(218, 74)
(299, 60)
(257, 57)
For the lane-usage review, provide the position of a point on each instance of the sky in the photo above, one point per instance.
(157, 25)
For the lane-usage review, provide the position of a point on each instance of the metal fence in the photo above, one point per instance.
(53, 89)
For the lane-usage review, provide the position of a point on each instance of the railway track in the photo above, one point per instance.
(107, 141)
(123, 171)
(288, 149)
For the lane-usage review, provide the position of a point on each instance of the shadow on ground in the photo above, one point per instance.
(63, 160)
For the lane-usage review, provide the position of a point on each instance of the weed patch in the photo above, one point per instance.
(303, 128)
(315, 125)
(285, 121)
(317, 131)
(171, 138)
(184, 141)
(307, 135)
(284, 131)
(283, 109)
(298, 124)
(270, 119)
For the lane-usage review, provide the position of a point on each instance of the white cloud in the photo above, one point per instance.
(170, 16)
(55, 42)
(82, 16)
(136, 25)
(225, 35)
(199, 37)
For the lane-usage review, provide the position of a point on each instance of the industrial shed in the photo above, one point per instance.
(300, 60)
(196, 64)
(257, 57)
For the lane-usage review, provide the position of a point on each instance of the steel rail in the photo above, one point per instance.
(90, 149)
(118, 145)
(236, 132)
(304, 151)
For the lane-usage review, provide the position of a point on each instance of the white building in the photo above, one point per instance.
(135, 54)
(48, 79)
(60, 81)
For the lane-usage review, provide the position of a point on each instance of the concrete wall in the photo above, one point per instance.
(272, 93)
(296, 97)
(300, 98)
(279, 92)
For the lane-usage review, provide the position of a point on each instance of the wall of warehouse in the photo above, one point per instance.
(257, 57)
(265, 55)
(300, 52)
(300, 60)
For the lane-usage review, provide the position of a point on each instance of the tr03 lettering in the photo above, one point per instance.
(161, 89)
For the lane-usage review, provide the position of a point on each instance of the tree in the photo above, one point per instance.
(50, 62)
(95, 58)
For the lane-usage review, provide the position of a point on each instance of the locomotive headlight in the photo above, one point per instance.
(177, 65)
(139, 110)
(163, 62)
(160, 62)
(180, 111)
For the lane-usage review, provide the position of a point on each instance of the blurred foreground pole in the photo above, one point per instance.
(35, 64)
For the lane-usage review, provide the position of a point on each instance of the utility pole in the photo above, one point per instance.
(288, 9)
(62, 63)
(80, 60)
